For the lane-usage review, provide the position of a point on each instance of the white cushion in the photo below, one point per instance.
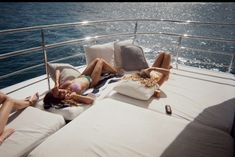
(117, 51)
(112, 128)
(69, 113)
(67, 71)
(105, 51)
(135, 89)
(32, 126)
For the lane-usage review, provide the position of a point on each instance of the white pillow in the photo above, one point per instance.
(135, 89)
(67, 71)
(117, 51)
(105, 51)
(69, 113)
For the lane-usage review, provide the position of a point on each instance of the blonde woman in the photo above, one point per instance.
(157, 74)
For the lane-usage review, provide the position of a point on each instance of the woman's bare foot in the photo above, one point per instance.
(120, 72)
(6, 133)
(33, 99)
(91, 95)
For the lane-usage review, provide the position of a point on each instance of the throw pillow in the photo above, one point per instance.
(135, 89)
(132, 58)
(67, 71)
(69, 113)
(117, 51)
(105, 51)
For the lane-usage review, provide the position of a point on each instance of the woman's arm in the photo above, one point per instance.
(57, 78)
(158, 69)
(165, 72)
(81, 99)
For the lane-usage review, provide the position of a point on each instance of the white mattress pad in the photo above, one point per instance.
(32, 126)
(111, 128)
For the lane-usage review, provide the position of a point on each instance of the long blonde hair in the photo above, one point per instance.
(142, 78)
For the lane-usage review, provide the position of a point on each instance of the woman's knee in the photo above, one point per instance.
(9, 101)
(3, 98)
(97, 59)
(100, 61)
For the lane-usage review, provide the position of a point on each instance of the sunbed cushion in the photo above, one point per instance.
(132, 58)
(67, 71)
(134, 89)
(32, 126)
(115, 129)
(104, 51)
(195, 97)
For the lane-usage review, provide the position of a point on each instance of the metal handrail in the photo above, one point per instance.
(52, 26)
(65, 58)
(59, 44)
(44, 47)
(208, 51)
(20, 52)
(20, 71)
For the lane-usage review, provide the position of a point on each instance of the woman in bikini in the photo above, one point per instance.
(7, 105)
(71, 91)
(160, 69)
(155, 75)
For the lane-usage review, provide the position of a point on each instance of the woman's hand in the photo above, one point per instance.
(70, 96)
(144, 73)
(55, 91)
(57, 85)
(67, 96)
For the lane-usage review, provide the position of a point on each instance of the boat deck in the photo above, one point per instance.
(192, 94)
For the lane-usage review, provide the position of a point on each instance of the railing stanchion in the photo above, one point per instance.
(232, 64)
(135, 30)
(177, 51)
(45, 57)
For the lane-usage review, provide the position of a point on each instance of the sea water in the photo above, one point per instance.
(17, 15)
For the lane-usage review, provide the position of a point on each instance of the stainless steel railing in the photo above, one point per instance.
(44, 47)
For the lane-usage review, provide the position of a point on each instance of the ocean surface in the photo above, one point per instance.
(22, 14)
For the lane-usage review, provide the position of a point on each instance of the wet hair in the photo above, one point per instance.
(49, 101)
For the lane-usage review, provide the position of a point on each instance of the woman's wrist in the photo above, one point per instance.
(57, 84)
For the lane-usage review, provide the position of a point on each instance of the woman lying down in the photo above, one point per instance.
(71, 91)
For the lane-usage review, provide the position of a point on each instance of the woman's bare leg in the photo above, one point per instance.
(166, 65)
(96, 73)
(6, 133)
(5, 111)
(90, 67)
(7, 106)
(159, 60)
(166, 61)
(31, 101)
(101, 67)
(108, 68)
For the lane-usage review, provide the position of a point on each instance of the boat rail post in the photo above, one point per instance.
(45, 57)
(231, 68)
(177, 51)
(135, 30)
